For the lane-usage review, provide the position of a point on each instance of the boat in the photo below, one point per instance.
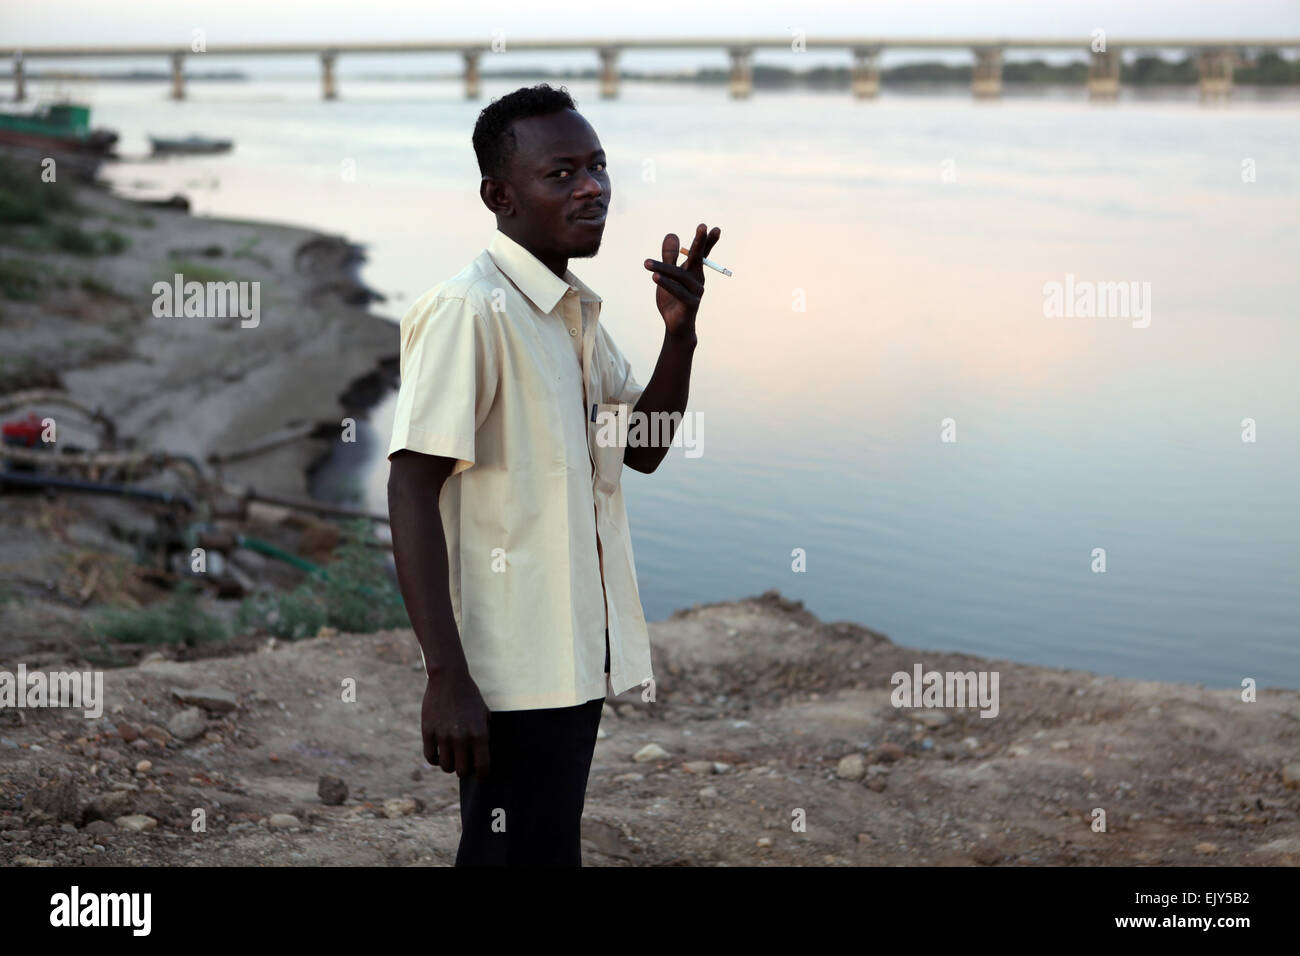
(190, 145)
(57, 127)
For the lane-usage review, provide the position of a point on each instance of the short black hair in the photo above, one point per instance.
(494, 136)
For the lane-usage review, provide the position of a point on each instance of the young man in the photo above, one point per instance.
(509, 532)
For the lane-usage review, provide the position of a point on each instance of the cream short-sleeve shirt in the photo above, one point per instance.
(506, 367)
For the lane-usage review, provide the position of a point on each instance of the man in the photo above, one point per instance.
(509, 531)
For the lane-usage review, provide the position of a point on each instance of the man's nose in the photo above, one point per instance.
(588, 185)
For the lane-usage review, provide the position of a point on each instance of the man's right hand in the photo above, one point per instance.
(454, 723)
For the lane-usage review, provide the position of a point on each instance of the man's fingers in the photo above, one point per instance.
(690, 250)
(671, 248)
(482, 761)
(462, 757)
(710, 241)
(447, 755)
(677, 274)
(677, 289)
(431, 752)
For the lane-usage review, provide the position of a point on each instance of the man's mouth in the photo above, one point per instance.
(592, 217)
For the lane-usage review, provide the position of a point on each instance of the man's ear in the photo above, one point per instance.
(496, 195)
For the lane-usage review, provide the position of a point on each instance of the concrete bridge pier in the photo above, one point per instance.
(986, 77)
(328, 89)
(178, 76)
(20, 80)
(866, 73)
(742, 72)
(473, 81)
(1103, 75)
(1215, 67)
(608, 72)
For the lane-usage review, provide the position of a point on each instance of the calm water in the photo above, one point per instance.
(924, 301)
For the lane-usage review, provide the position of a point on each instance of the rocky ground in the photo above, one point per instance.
(764, 715)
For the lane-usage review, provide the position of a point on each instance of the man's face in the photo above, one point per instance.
(559, 177)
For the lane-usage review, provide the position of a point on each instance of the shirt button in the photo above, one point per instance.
(573, 331)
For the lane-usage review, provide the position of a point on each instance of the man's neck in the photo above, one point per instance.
(557, 265)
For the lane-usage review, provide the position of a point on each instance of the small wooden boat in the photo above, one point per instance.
(190, 145)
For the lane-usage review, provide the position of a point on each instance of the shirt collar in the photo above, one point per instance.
(542, 286)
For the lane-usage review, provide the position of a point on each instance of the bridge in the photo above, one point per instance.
(1215, 57)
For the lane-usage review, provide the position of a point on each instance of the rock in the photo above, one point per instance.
(928, 718)
(56, 801)
(764, 842)
(876, 783)
(283, 821)
(331, 790)
(128, 732)
(851, 767)
(629, 777)
(155, 733)
(188, 724)
(1291, 776)
(1060, 745)
(704, 767)
(887, 753)
(986, 855)
(109, 806)
(144, 766)
(215, 699)
(651, 752)
(402, 807)
(99, 828)
(709, 793)
(1206, 848)
(720, 767)
(607, 839)
(136, 823)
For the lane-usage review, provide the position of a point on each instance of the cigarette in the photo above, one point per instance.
(708, 262)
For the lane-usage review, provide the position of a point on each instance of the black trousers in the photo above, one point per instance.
(528, 812)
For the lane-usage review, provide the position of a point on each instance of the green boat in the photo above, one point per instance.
(59, 127)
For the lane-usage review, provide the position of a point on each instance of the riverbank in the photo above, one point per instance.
(764, 716)
(77, 318)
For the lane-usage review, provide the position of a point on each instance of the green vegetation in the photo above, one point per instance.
(1268, 69)
(354, 593)
(178, 620)
(26, 200)
(21, 279)
(197, 271)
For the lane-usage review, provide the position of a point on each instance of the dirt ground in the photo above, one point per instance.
(757, 706)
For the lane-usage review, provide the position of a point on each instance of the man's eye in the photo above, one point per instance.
(563, 172)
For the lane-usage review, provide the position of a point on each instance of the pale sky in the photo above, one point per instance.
(172, 21)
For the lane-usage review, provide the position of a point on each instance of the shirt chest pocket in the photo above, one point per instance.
(607, 429)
